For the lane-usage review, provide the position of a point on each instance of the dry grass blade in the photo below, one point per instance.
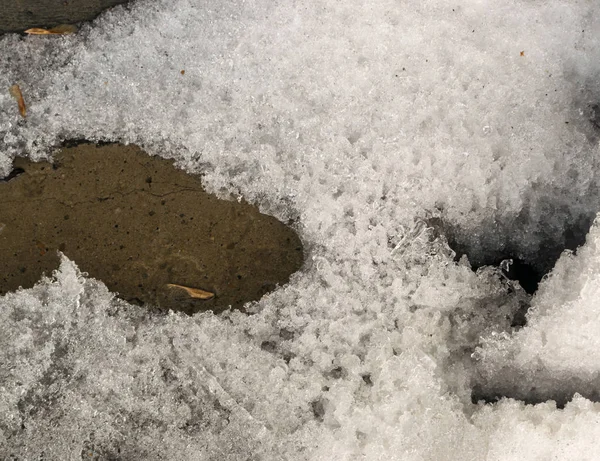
(36, 31)
(63, 29)
(195, 293)
(15, 92)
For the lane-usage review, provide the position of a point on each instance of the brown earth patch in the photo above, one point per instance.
(138, 224)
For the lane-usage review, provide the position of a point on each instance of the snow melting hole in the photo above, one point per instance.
(497, 245)
(517, 265)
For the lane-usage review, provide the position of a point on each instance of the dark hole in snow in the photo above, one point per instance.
(527, 276)
(595, 115)
(286, 334)
(13, 174)
(499, 246)
(268, 346)
(318, 409)
(336, 373)
(547, 390)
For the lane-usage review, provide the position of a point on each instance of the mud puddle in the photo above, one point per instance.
(138, 224)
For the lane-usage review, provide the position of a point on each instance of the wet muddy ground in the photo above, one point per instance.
(138, 224)
(18, 15)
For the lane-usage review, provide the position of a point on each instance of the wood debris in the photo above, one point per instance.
(195, 293)
(63, 29)
(15, 92)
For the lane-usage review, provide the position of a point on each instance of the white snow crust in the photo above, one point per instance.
(361, 120)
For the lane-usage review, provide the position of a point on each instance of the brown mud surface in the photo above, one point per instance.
(137, 223)
(18, 15)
